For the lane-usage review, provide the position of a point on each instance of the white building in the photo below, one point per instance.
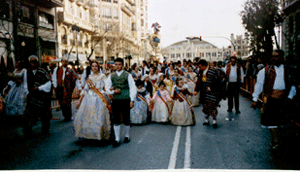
(191, 49)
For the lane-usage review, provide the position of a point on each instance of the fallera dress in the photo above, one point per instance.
(160, 110)
(181, 113)
(139, 113)
(15, 99)
(92, 120)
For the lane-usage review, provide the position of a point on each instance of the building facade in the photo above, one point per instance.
(27, 28)
(103, 29)
(191, 49)
(291, 27)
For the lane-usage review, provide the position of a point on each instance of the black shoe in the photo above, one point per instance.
(238, 112)
(229, 110)
(116, 144)
(206, 123)
(126, 140)
(215, 125)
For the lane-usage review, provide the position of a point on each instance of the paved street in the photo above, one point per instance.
(237, 144)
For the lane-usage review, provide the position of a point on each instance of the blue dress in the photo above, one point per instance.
(15, 99)
(92, 120)
(139, 113)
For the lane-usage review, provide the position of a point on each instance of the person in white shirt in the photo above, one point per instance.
(276, 84)
(38, 88)
(64, 82)
(121, 85)
(235, 77)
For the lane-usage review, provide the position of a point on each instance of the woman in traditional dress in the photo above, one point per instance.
(135, 73)
(160, 77)
(153, 76)
(191, 83)
(15, 99)
(175, 76)
(182, 113)
(147, 84)
(161, 109)
(92, 120)
(170, 70)
(139, 113)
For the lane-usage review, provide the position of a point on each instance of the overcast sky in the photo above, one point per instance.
(208, 18)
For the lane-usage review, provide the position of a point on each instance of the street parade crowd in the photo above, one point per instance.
(165, 93)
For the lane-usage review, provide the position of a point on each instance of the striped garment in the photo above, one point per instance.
(212, 99)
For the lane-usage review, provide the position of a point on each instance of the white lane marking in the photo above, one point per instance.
(187, 156)
(172, 162)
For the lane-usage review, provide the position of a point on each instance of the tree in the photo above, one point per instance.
(259, 19)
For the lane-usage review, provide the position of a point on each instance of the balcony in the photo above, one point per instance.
(80, 2)
(50, 3)
(71, 19)
(86, 5)
(290, 5)
(131, 2)
(127, 9)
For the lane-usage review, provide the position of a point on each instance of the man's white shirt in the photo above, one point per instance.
(132, 87)
(279, 83)
(45, 87)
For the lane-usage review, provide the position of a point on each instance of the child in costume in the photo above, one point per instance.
(161, 109)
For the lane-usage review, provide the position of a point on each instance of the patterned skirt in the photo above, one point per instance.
(139, 113)
(181, 114)
(210, 105)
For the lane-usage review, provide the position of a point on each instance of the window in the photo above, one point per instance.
(133, 27)
(107, 27)
(178, 55)
(116, 13)
(46, 20)
(214, 54)
(64, 36)
(107, 12)
(115, 1)
(72, 9)
(86, 16)
(172, 55)
(106, 0)
(79, 13)
(142, 22)
(25, 14)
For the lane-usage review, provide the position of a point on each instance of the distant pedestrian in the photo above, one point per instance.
(235, 77)
(64, 82)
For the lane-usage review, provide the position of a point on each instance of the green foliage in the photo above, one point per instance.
(259, 19)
